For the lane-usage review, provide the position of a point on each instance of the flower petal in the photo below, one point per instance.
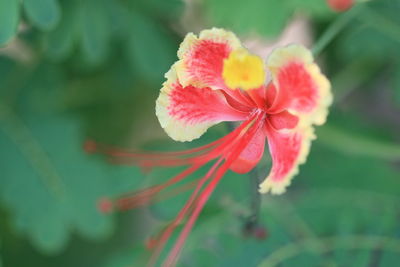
(186, 113)
(283, 120)
(202, 59)
(251, 155)
(300, 86)
(288, 150)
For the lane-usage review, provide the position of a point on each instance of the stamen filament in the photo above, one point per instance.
(173, 255)
(125, 203)
(144, 196)
(154, 198)
(170, 159)
(181, 215)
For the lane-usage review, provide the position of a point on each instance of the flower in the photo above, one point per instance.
(216, 79)
(340, 5)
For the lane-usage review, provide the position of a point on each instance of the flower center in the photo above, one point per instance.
(243, 70)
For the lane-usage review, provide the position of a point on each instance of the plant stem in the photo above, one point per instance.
(352, 242)
(345, 82)
(357, 144)
(333, 30)
(255, 204)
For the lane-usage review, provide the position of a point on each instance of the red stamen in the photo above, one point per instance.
(227, 148)
(142, 197)
(146, 196)
(150, 243)
(156, 197)
(255, 230)
(173, 255)
(105, 205)
(260, 233)
(90, 146)
(181, 215)
(148, 160)
(227, 145)
(146, 200)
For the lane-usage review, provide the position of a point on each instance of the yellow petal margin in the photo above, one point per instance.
(177, 130)
(298, 53)
(278, 59)
(279, 187)
(191, 40)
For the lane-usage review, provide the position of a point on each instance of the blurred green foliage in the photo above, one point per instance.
(77, 69)
(263, 17)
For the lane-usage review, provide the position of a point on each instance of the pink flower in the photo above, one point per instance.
(216, 79)
(340, 5)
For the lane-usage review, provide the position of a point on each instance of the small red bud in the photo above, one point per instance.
(260, 233)
(150, 243)
(340, 5)
(255, 230)
(105, 205)
(90, 146)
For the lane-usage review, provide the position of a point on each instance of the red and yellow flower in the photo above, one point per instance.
(216, 79)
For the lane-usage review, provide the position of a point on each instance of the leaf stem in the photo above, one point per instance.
(331, 243)
(252, 220)
(255, 204)
(333, 30)
(356, 144)
(345, 82)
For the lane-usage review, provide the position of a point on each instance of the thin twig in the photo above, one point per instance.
(331, 243)
(334, 29)
(255, 205)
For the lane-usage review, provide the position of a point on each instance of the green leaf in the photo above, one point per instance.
(351, 244)
(339, 216)
(316, 8)
(129, 257)
(60, 41)
(303, 231)
(95, 30)
(150, 49)
(220, 234)
(341, 169)
(1, 261)
(358, 144)
(50, 186)
(353, 135)
(389, 258)
(45, 14)
(267, 17)
(9, 17)
(170, 9)
(396, 83)
(376, 31)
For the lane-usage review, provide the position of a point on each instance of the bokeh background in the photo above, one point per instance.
(74, 70)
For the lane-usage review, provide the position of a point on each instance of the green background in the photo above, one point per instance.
(73, 70)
